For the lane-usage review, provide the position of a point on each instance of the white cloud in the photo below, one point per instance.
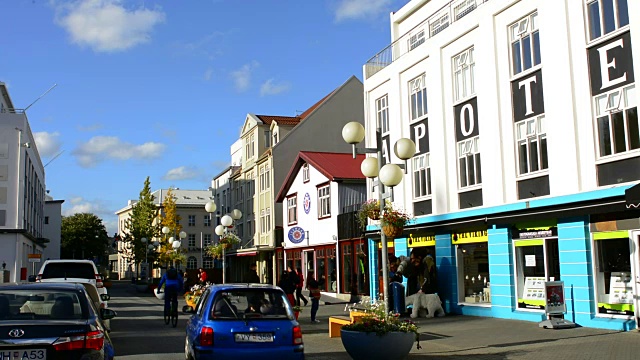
(208, 74)
(48, 144)
(101, 148)
(181, 173)
(271, 88)
(359, 9)
(79, 205)
(242, 76)
(106, 25)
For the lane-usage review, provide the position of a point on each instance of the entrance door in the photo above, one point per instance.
(308, 263)
(635, 267)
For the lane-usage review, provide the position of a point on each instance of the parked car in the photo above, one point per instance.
(70, 270)
(100, 301)
(243, 321)
(52, 321)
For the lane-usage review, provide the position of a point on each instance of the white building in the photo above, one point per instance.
(52, 227)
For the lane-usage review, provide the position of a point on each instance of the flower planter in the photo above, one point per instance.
(392, 231)
(374, 214)
(371, 346)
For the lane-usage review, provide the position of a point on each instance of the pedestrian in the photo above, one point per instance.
(202, 276)
(314, 294)
(299, 287)
(288, 286)
(253, 277)
(184, 281)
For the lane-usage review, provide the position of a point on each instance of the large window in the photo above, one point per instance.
(614, 284)
(469, 162)
(531, 138)
(207, 220)
(324, 201)
(463, 73)
(292, 210)
(605, 16)
(191, 239)
(473, 273)
(206, 239)
(192, 220)
(537, 261)
(192, 262)
(617, 121)
(525, 44)
(421, 176)
(207, 262)
(382, 113)
(417, 98)
(265, 220)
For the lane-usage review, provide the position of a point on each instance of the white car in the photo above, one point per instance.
(69, 270)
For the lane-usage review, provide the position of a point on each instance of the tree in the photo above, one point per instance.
(170, 219)
(141, 224)
(83, 236)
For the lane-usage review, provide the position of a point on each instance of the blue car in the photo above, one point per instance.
(243, 321)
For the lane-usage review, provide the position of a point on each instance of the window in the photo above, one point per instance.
(382, 114)
(324, 201)
(265, 220)
(525, 44)
(613, 281)
(469, 162)
(192, 220)
(207, 220)
(440, 23)
(473, 272)
(207, 262)
(421, 176)
(206, 240)
(191, 240)
(537, 261)
(617, 121)
(463, 73)
(262, 179)
(416, 40)
(267, 138)
(305, 172)
(531, 138)
(249, 147)
(418, 97)
(463, 8)
(267, 178)
(46, 219)
(609, 15)
(292, 210)
(275, 138)
(192, 263)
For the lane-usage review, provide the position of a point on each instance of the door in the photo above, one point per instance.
(308, 264)
(635, 267)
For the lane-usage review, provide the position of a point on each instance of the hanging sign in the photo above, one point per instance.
(296, 235)
(34, 258)
(420, 240)
(470, 237)
(554, 291)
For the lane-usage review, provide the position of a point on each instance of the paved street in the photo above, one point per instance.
(139, 333)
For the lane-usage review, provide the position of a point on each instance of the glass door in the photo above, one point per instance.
(308, 264)
(636, 269)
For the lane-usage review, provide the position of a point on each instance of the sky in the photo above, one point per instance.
(160, 88)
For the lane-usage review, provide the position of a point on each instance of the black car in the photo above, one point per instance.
(52, 321)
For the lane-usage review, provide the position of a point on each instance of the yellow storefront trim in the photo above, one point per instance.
(470, 237)
(420, 240)
(617, 307)
(389, 244)
(530, 242)
(533, 302)
(610, 235)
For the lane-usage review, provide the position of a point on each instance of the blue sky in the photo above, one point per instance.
(161, 88)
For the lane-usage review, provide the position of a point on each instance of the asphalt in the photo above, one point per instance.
(454, 337)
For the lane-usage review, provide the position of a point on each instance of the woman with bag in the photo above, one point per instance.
(314, 294)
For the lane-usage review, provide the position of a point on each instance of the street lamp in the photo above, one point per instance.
(389, 175)
(146, 257)
(225, 228)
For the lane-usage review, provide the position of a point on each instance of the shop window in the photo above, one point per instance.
(605, 16)
(331, 269)
(347, 268)
(473, 273)
(613, 276)
(537, 261)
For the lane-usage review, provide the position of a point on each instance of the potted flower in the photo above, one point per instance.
(193, 295)
(370, 209)
(378, 334)
(393, 221)
(225, 242)
(296, 311)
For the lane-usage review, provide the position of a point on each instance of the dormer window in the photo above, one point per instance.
(305, 172)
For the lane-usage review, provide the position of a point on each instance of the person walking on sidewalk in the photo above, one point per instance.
(299, 287)
(314, 294)
(288, 286)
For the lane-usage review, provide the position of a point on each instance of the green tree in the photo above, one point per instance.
(170, 219)
(83, 236)
(141, 224)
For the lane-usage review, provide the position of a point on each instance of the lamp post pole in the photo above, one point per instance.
(146, 257)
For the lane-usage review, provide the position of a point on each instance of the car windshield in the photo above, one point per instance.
(250, 303)
(68, 270)
(40, 304)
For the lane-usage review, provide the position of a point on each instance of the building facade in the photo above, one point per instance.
(529, 109)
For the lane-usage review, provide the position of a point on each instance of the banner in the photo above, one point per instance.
(554, 293)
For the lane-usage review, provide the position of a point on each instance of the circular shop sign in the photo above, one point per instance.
(296, 235)
(307, 203)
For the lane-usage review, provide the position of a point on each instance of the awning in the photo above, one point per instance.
(632, 197)
(250, 253)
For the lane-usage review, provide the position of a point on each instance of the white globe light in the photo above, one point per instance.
(219, 230)
(182, 234)
(172, 239)
(176, 244)
(210, 207)
(165, 230)
(144, 240)
(405, 149)
(369, 167)
(391, 175)
(226, 220)
(236, 214)
(353, 132)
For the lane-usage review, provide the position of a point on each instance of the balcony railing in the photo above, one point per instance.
(436, 23)
(348, 226)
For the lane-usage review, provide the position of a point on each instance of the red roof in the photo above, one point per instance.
(335, 166)
(282, 120)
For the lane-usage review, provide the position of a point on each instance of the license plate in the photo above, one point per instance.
(23, 354)
(254, 337)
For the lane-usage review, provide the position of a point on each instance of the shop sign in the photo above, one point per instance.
(536, 233)
(296, 235)
(389, 244)
(470, 237)
(34, 258)
(554, 291)
(307, 203)
(418, 240)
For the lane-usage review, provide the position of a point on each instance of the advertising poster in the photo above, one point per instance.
(554, 291)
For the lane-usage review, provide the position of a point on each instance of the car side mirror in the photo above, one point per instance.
(188, 309)
(32, 278)
(106, 314)
(105, 297)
